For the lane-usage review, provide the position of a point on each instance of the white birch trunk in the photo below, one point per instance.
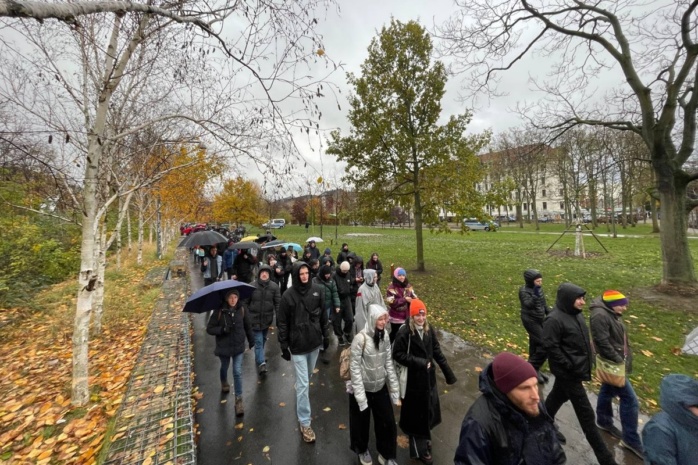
(105, 243)
(98, 298)
(89, 276)
(141, 225)
(118, 243)
(128, 230)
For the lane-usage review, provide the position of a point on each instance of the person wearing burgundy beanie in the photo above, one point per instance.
(508, 424)
(417, 348)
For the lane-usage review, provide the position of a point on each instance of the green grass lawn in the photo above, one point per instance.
(471, 285)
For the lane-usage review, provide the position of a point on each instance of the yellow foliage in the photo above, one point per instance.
(182, 190)
(240, 201)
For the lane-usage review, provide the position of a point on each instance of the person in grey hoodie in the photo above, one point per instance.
(368, 294)
(374, 385)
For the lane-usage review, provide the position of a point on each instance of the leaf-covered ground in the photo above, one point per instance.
(38, 424)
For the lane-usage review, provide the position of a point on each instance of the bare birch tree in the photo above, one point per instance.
(650, 50)
(82, 83)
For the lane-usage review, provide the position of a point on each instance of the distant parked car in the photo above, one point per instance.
(508, 219)
(475, 225)
(277, 223)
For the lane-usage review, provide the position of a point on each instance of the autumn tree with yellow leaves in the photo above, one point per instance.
(240, 201)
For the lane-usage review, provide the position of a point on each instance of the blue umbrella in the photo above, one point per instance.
(212, 297)
(293, 245)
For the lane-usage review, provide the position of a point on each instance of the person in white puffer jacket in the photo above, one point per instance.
(374, 384)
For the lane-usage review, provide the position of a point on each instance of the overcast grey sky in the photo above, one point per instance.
(347, 34)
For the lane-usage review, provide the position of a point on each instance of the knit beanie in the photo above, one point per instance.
(328, 250)
(614, 299)
(325, 269)
(230, 292)
(399, 272)
(509, 370)
(417, 306)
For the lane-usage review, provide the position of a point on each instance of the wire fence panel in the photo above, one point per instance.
(155, 423)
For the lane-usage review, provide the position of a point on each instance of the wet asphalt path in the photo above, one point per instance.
(268, 432)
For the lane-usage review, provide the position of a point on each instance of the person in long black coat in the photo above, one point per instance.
(417, 348)
(534, 309)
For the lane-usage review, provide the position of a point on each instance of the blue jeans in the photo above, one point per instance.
(304, 365)
(628, 410)
(237, 371)
(260, 339)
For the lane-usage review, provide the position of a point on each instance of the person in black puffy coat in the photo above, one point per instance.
(534, 309)
(508, 424)
(231, 326)
(263, 305)
(566, 338)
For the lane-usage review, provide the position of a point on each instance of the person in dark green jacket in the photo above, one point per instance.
(324, 279)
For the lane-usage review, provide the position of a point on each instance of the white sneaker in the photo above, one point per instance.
(383, 461)
(365, 458)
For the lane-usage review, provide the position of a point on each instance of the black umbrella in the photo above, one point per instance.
(244, 245)
(204, 238)
(212, 297)
(265, 238)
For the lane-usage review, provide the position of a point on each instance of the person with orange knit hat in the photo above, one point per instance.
(610, 338)
(417, 348)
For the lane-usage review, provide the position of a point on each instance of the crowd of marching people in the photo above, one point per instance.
(390, 352)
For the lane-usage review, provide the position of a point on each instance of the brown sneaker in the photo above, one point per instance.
(225, 387)
(308, 434)
(239, 410)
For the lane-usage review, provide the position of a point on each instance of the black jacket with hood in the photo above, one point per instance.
(495, 432)
(264, 302)
(243, 266)
(343, 281)
(237, 321)
(356, 272)
(302, 320)
(566, 336)
(533, 307)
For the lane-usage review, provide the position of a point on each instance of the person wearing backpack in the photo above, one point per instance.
(374, 385)
(231, 326)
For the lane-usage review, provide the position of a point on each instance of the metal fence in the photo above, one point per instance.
(155, 423)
